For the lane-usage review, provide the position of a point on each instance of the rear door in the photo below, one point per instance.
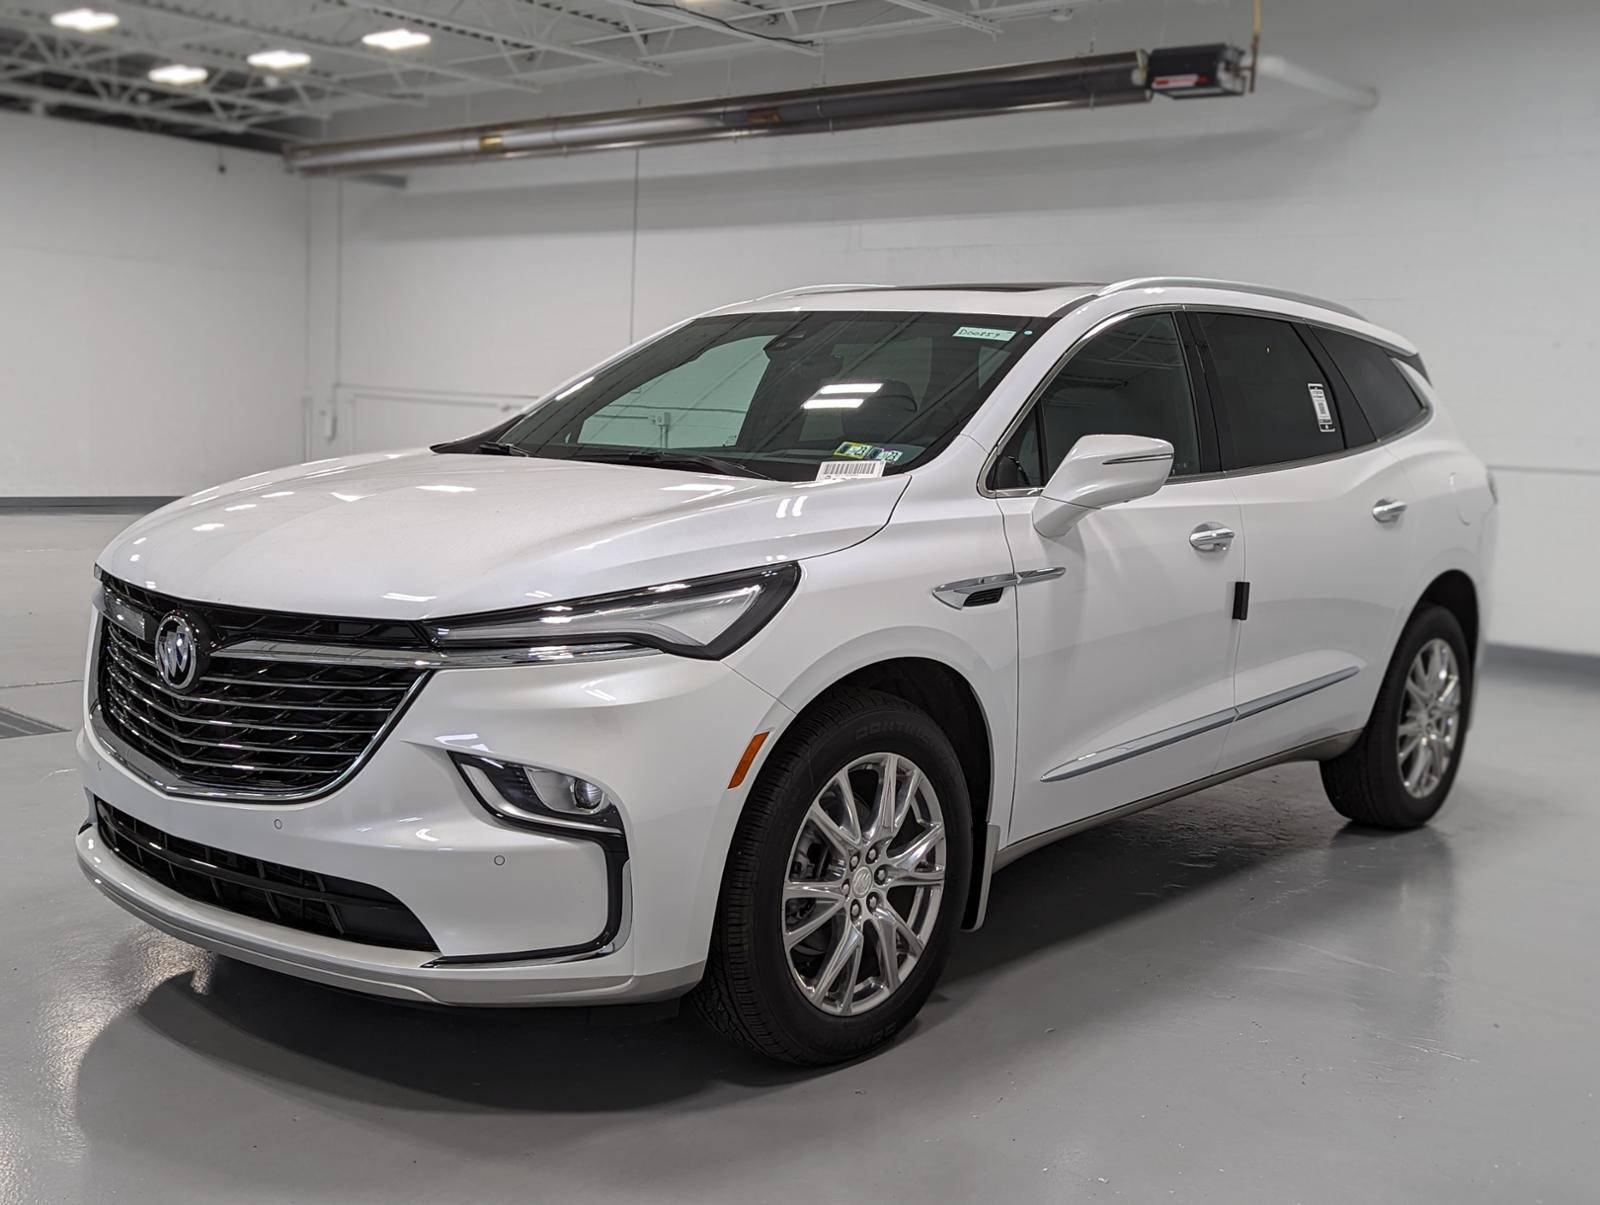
(1321, 505)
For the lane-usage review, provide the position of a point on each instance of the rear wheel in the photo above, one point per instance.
(844, 885)
(1398, 774)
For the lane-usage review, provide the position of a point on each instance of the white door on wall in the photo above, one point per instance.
(379, 420)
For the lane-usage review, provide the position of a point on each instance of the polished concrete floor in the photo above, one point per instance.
(1234, 998)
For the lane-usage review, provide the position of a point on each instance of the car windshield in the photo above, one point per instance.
(777, 394)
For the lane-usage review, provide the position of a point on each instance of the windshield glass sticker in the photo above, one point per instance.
(855, 451)
(839, 470)
(984, 332)
(1319, 402)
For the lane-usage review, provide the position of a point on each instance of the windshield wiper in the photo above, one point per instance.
(663, 458)
(492, 447)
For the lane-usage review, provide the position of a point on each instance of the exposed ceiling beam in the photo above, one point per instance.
(515, 41)
(125, 40)
(393, 63)
(682, 16)
(993, 16)
(929, 9)
(44, 57)
(100, 104)
(1021, 9)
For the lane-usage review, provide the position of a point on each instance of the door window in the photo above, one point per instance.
(1128, 380)
(1380, 389)
(1274, 404)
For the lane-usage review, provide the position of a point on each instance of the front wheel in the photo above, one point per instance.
(1398, 774)
(846, 881)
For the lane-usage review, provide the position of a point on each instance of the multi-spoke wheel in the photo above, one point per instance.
(1398, 773)
(866, 876)
(847, 876)
(1430, 718)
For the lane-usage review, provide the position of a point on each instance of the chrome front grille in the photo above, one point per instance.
(249, 726)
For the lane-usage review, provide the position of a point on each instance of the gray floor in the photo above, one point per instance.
(1233, 998)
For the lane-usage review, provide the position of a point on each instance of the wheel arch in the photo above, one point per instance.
(949, 697)
(1455, 591)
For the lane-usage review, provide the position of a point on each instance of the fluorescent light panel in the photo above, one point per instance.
(397, 39)
(85, 20)
(833, 403)
(846, 387)
(178, 75)
(279, 60)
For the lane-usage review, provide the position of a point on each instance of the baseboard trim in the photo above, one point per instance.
(1550, 661)
(112, 504)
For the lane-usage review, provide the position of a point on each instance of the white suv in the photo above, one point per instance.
(736, 666)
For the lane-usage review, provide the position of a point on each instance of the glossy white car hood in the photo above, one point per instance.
(417, 535)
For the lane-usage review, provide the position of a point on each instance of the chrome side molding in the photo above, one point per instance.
(1290, 693)
(956, 594)
(1318, 750)
(1207, 723)
(1145, 744)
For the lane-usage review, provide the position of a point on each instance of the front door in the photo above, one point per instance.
(1125, 652)
(1125, 667)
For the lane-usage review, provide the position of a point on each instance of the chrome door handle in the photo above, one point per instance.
(1210, 537)
(1388, 510)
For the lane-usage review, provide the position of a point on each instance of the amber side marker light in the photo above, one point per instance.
(747, 760)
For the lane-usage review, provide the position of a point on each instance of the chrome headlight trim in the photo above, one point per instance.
(704, 618)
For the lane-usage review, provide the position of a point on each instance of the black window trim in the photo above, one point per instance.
(1355, 428)
(1425, 408)
(1306, 329)
(1199, 401)
(1202, 385)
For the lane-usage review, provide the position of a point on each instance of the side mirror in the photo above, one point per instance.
(1100, 470)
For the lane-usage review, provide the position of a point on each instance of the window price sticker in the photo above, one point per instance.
(1319, 403)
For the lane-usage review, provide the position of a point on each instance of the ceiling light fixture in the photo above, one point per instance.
(279, 60)
(85, 20)
(833, 403)
(397, 39)
(178, 75)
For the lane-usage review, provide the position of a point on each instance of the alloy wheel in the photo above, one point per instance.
(865, 878)
(1430, 718)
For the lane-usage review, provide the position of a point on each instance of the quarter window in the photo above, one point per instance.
(1381, 389)
(1128, 380)
(1274, 404)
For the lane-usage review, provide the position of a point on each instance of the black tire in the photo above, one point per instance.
(748, 994)
(1365, 783)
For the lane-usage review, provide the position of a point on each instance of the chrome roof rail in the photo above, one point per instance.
(1202, 282)
(803, 290)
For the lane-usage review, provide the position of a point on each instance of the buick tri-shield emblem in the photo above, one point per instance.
(178, 652)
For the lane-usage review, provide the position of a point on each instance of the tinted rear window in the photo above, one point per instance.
(1380, 388)
(1272, 401)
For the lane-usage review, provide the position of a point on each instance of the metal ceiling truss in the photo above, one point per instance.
(478, 46)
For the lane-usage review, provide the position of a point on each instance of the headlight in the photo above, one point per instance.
(705, 617)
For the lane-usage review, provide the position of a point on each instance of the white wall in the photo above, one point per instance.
(1461, 210)
(152, 312)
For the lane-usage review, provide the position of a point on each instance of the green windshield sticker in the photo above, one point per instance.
(984, 332)
(854, 451)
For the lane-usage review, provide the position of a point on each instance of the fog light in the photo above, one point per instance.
(534, 797)
(587, 796)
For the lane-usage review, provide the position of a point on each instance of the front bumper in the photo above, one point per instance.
(661, 734)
